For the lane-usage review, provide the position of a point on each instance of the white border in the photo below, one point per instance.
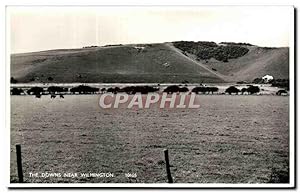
(157, 185)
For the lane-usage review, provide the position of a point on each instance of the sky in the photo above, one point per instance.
(44, 28)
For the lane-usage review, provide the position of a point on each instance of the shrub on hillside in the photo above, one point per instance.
(207, 50)
(281, 83)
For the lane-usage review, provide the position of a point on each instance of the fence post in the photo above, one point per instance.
(19, 163)
(170, 179)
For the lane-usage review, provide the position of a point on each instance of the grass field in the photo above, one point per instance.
(229, 139)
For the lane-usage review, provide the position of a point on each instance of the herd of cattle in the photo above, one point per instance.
(83, 89)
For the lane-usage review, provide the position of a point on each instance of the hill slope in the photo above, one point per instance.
(255, 64)
(144, 63)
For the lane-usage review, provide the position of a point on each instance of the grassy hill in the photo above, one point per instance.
(165, 62)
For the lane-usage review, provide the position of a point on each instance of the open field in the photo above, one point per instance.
(229, 139)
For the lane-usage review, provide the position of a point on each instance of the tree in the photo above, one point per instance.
(183, 89)
(16, 91)
(35, 90)
(253, 89)
(244, 90)
(172, 89)
(13, 80)
(258, 81)
(82, 89)
(212, 89)
(232, 89)
(56, 89)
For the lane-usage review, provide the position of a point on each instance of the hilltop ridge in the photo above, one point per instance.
(172, 62)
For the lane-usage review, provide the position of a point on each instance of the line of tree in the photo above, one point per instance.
(250, 90)
(83, 89)
(57, 89)
(17, 91)
(281, 83)
(175, 89)
(132, 89)
(35, 91)
(205, 90)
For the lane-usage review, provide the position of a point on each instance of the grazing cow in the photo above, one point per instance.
(53, 96)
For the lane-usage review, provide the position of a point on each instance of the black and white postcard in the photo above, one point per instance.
(151, 96)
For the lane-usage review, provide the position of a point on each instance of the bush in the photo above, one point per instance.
(138, 89)
(232, 89)
(207, 50)
(239, 43)
(203, 89)
(81, 89)
(281, 83)
(16, 91)
(280, 92)
(258, 81)
(55, 89)
(244, 90)
(35, 90)
(253, 89)
(172, 89)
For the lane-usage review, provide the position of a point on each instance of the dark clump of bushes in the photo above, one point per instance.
(281, 83)
(35, 90)
(207, 50)
(56, 89)
(113, 90)
(241, 82)
(250, 90)
(258, 81)
(205, 90)
(133, 89)
(82, 89)
(175, 89)
(89, 46)
(253, 89)
(138, 89)
(232, 89)
(16, 91)
(280, 92)
(238, 44)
